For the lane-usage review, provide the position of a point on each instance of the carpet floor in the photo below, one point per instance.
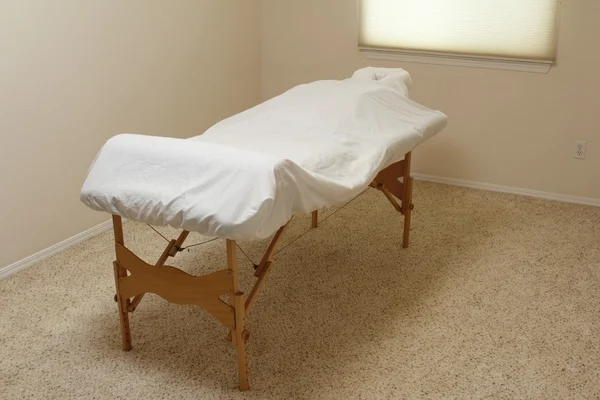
(497, 298)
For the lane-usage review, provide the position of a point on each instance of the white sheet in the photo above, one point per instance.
(316, 145)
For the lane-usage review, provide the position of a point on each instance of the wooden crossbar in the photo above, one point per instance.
(256, 289)
(388, 183)
(388, 195)
(270, 250)
(170, 251)
(389, 179)
(176, 286)
(261, 272)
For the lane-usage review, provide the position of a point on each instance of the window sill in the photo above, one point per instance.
(539, 67)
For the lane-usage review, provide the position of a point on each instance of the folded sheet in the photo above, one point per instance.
(315, 146)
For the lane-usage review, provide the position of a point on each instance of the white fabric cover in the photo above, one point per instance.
(316, 145)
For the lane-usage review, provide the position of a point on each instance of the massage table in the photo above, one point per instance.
(315, 146)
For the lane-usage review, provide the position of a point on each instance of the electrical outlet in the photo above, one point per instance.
(579, 150)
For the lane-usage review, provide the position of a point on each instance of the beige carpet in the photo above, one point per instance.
(498, 297)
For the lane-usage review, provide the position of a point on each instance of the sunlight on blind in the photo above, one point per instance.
(522, 29)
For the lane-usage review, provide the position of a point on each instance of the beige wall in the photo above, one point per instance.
(74, 73)
(508, 128)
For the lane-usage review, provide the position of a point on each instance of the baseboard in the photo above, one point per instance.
(508, 189)
(52, 250)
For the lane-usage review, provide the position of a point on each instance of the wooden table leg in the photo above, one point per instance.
(407, 215)
(239, 334)
(123, 309)
(121, 273)
(407, 200)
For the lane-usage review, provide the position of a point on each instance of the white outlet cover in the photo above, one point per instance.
(580, 150)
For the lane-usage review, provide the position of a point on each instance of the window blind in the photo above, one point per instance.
(515, 29)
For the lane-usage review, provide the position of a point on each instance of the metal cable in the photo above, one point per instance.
(342, 207)
(161, 235)
(199, 244)
(278, 251)
(324, 219)
(244, 253)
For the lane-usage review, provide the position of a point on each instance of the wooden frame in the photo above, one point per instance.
(134, 277)
(388, 182)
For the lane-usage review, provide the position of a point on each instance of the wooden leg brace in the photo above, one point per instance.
(123, 302)
(407, 200)
(387, 181)
(239, 330)
(134, 278)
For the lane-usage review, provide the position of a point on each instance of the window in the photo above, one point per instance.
(519, 31)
